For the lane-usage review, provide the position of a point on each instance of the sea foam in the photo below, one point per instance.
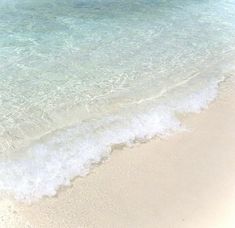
(56, 160)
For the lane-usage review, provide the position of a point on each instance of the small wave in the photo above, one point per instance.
(56, 160)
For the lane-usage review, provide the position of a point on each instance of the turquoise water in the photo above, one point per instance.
(78, 77)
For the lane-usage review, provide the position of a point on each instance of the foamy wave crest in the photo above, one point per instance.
(57, 159)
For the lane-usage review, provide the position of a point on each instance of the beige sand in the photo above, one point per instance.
(186, 181)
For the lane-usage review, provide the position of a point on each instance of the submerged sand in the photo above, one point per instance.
(186, 181)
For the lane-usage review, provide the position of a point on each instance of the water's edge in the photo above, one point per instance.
(47, 167)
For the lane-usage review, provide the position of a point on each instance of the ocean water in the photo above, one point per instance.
(79, 77)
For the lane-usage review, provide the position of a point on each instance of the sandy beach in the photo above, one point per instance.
(117, 113)
(186, 180)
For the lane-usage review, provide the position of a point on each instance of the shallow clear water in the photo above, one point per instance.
(79, 76)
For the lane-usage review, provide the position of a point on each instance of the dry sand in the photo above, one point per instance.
(186, 181)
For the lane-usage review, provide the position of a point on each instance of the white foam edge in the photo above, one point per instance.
(54, 162)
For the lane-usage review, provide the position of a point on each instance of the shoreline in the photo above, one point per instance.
(183, 181)
(46, 167)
